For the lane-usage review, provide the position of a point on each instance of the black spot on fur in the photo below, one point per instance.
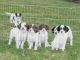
(19, 26)
(18, 15)
(53, 29)
(28, 26)
(58, 28)
(13, 18)
(66, 29)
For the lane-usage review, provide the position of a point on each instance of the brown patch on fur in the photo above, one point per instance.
(35, 28)
(44, 26)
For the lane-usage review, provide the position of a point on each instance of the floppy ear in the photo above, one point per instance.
(40, 27)
(53, 29)
(19, 26)
(16, 14)
(58, 28)
(36, 28)
(66, 29)
(20, 14)
(46, 27)
(28, 26)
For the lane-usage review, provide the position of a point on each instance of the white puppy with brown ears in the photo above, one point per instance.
(20, 35)
(15, 18)
(43, 35)
(33, 36)
(62, 33)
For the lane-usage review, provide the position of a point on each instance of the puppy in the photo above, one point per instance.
(20, 34)
(62, 33)
(43, 35)
(33, 36)
(15, 18)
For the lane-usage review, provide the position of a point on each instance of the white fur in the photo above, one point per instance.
(60, 40)
(33, 38)
(43, 37)
(20, 36)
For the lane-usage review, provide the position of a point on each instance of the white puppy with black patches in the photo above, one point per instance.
(33, 36)
(15, 18)
(43, 35)
(62, 33)
(20, 35)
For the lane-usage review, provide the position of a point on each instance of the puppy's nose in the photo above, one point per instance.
(30, 30)
(55, 32)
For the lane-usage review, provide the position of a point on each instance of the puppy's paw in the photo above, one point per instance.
(56, 48)
(29, 48)
(35, 49)
(52, 48)
(9, 44)
(71, 44)
(17, 47)
(63, 49)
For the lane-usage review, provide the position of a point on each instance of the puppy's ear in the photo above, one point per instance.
(46, 27)
(19, 14)
(16, 14)
(66, 29)
(19, 26)
(40, 27)
(35, 28)
(58, 28)
(53, 29)
(28, 26)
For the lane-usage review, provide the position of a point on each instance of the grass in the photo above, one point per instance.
(51, 12)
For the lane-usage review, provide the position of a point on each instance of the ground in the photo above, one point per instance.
(51, 12)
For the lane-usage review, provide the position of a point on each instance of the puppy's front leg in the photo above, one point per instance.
(46, 44)
(22, 44)
(30, 45)
(10, 39)
(64, 44)
(17, 44)
(46, 41)
(36, 46)
(39, 44)
(11, 20)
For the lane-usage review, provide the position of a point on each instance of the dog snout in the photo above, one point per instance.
(30, 30)
(61, 31)
(55, 32)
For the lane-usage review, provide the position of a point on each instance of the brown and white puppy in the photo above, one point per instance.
(43, 34)
(33, 36)
(20, 34)
(15, 18)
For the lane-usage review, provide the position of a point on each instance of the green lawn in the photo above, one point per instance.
(51, 12)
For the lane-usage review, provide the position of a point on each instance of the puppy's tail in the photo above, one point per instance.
(7, 13)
